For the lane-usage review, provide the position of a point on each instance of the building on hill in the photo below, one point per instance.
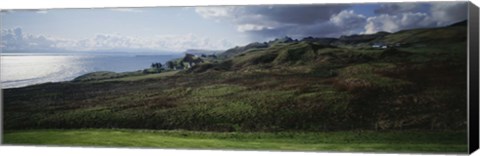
(191, 60)
(379, 45)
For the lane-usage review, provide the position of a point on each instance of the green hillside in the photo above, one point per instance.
(283, 85)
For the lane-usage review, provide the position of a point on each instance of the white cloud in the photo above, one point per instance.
(381, 23)
(252, 27)
(348, 19)
(214, 12)
(15, 40)
(393, 23)
(398, 17)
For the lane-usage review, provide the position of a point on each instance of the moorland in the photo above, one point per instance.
(402, 91)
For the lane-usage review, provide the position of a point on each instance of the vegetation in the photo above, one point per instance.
(101, 75)
(275, 87)
(157, 65)
(409, 141)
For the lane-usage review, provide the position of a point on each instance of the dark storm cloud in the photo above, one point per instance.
(266, 22)
(407, 16)
(279, 20)
(448, 12)
(319, 29)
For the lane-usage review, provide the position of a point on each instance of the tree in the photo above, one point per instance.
(182, 65)
(212, 56)
(156, 65)
(171, 65)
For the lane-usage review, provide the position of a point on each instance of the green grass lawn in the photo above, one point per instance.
(394, 141)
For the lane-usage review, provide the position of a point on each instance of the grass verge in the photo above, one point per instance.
(365, 141)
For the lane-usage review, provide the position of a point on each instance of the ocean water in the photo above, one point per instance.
(23, 69)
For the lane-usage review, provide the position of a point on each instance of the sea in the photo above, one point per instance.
(24, 69)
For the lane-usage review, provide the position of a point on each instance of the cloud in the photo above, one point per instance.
(215, 12)
(252, 27)
(262, 22)
(165, 42)
(441, 12)
(14, 40)
(267, 22)
(406, 16)
(345, 22)
(348, 19)
(301, 15)
(393, 23)
(448, 12)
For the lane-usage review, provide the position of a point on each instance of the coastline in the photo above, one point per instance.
(68, 66)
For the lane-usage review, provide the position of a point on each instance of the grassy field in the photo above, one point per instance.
(393, 141)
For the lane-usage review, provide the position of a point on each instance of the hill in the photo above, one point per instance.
(284, 85)
(456, 32)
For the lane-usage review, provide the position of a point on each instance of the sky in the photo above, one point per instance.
(176, 29)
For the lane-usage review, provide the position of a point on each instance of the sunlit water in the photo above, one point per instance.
(22, 69)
